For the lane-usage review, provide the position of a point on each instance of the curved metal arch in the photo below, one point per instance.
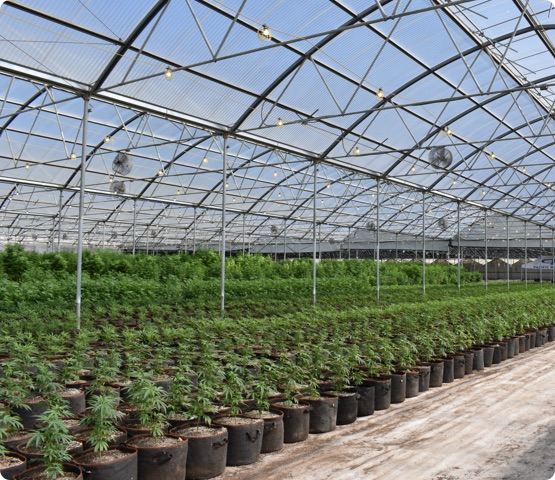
(428, 71)
(127, 44)
(302, 57)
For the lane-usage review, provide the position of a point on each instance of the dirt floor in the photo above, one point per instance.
(498, 424)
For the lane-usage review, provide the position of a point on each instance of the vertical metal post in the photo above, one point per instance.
(243, 234)
(377, 247)
(423, 243)
(320, 241)
(459, 246)
(552, 256)
(541, 257)
(194, 230)
(486, 246)
(314, 237)
(396, 247)
(284, 240)
(60, 221)
(103, 233)
(147, 236)
(275, 247)
(300, 246)
(508, 254)
(349, 243)
(224, 193)
(525, 253)
(81, 212)
(134, 223)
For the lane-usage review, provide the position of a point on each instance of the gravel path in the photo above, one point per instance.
(498, 424)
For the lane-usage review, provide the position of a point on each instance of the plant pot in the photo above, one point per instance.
(489, 351)
(75, 399)
(35, 456)
(532, 339)
(504, 350)
(459, 366)
(16, 438)
(296, 421)
(551, 333)
(365, 399)
(412, 381)
(478, 360)
(521, 343)
(133, 429)
(28, 416)
(424, 370)
(398, 387)
(34, 473)
(496, 358)
(207, 453)
(516, 348)
(165, 457)
(468, 361)
(448, 370)
(347, 406)
(527, 341)
(245, 438)
(382, 392)
(323, 413)
(83, 436)
(436, 373)
(510, 348)
(14, 464)
(543, 337)
(117, 463)
(273, 434)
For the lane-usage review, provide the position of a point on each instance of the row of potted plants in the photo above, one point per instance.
(169, 369)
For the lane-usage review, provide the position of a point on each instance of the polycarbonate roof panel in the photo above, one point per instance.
(306, 95)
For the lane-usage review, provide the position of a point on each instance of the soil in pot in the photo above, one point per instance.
(273, 435)
(119, 436)
(207, 453)
(323, 413)
(117, 463)
(161, 457)
(75, 399)
(15, 438)
(365, 399)
(296, 421)
(244, 438)
(11, 465)
(71, 472)
(35, 455)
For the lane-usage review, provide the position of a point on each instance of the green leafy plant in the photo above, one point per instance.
(151, 402)
(102, 416)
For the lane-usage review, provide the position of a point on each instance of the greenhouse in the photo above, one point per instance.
(223, 215)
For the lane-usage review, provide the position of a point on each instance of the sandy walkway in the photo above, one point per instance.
(496, 424)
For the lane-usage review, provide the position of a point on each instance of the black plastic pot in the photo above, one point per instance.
(156, 462)
(382, 392)
(436, 373)
(323, 413)
(551, 333)
(347, 407)
(19, 466)
(31, 473)
(516, 348)
(125, 468)
(412, 380)
(510, 348)
(423, 377)
(521, 343)
(468, 361)
(244, 438)
(273, 434)
(398, 387)
(532, 336)
(365, 399)
(296, 421)
(489, 352)
(478, 361)
(75, 400)
(448, 370)
(207, 451)
(459, 365)
(29, 415)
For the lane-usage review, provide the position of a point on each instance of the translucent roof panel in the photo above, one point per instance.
(320, 109)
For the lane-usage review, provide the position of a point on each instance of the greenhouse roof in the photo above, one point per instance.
(405, 113)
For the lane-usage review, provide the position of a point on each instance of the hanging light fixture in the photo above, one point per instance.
(205, 160)
(275, 174)
(264, 34)
(27, 166)
(168, 74)
(280, 122)
(106, 138)
(448, 131)
(160, 172)
(379, 94)
(73, 156)
(357, 150)
(492, 156)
